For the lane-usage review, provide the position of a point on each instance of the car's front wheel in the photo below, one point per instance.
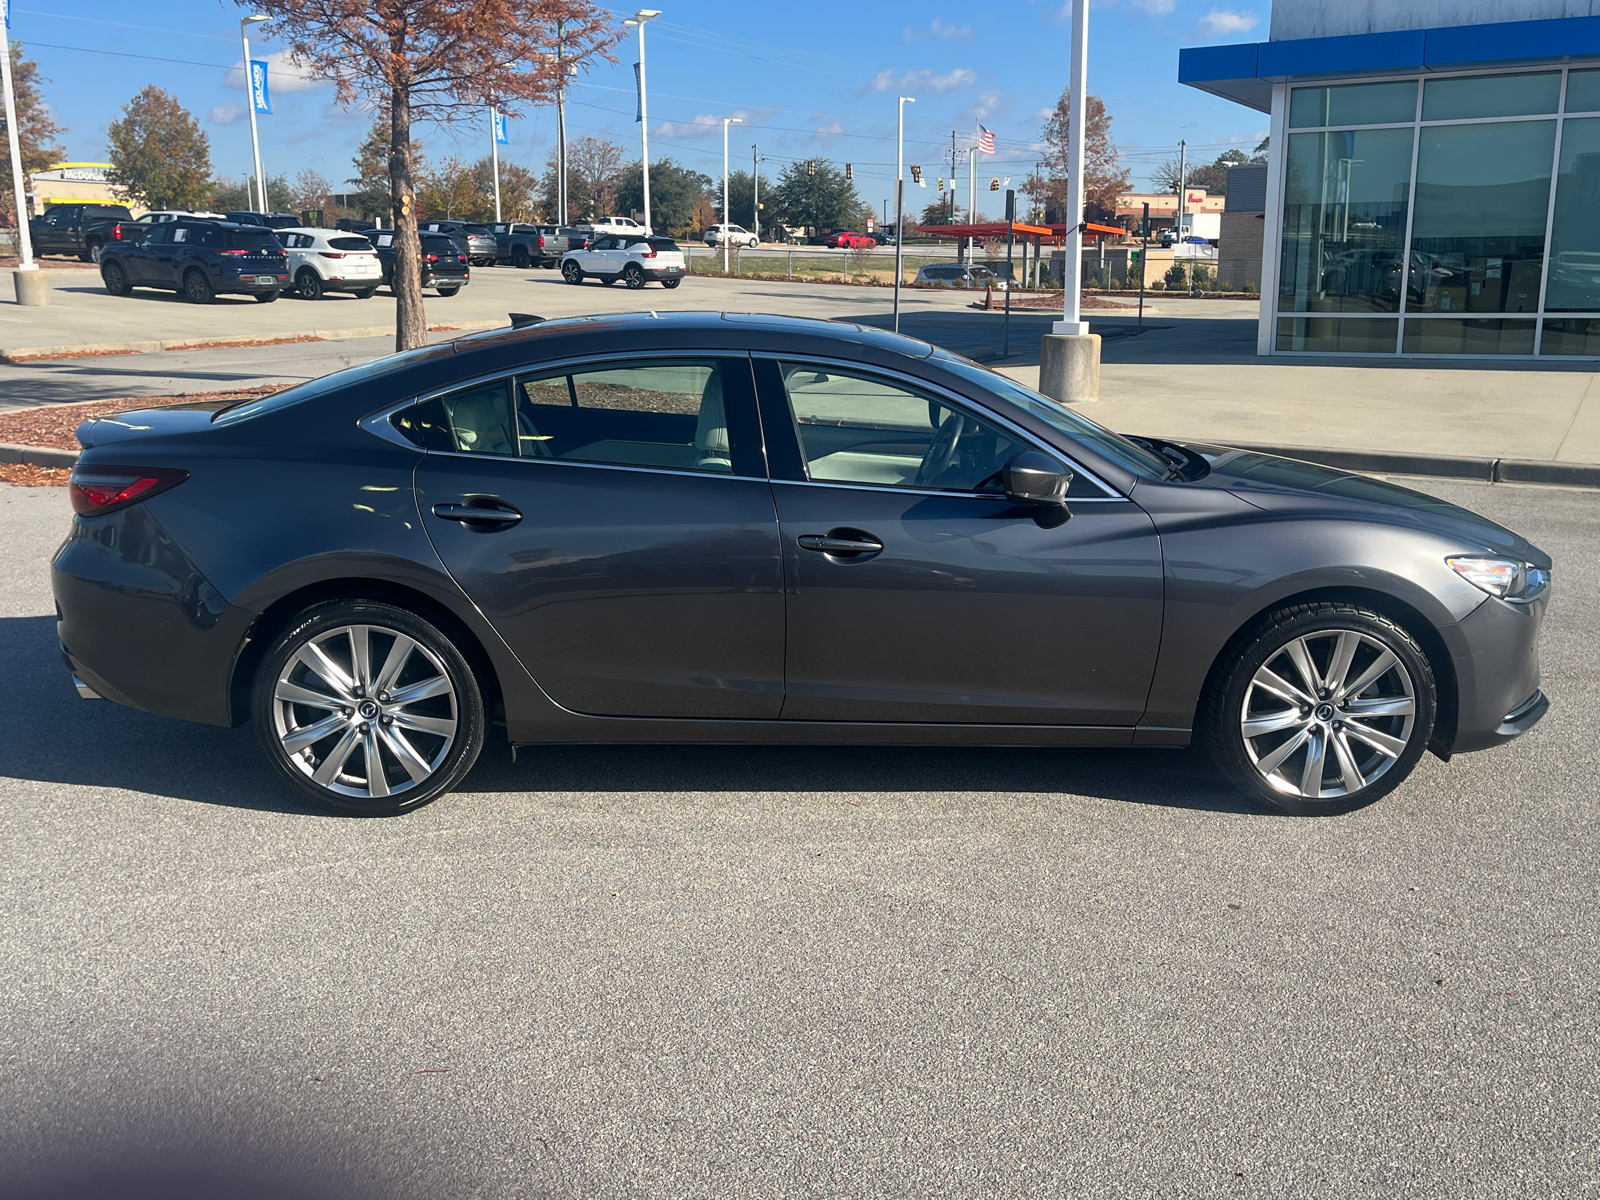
(1321, 708)
(116, 279)
(571, 272)
(198, 288)
(309, 284)
(633, 276)
(366, 709)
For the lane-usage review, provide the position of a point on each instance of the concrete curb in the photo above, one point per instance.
(37, 456)
(1443, 466)
(23, 354)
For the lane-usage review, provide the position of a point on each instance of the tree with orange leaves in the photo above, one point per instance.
(436, 60)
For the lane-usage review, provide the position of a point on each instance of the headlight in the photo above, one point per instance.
(1505, 578)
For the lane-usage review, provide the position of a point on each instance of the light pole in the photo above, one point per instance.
(639, 18)
(561, 122)
(250, 106)
(1072, 243)
(494, 155)
(31, 285)
(899, 199)
(755, 189)
(726, 121)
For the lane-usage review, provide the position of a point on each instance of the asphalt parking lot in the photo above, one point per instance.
(796, 972)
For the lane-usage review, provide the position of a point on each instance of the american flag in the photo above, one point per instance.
(985, 140)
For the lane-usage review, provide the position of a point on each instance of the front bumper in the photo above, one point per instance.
(1495, 653)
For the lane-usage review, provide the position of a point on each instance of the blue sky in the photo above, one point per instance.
(814, 81)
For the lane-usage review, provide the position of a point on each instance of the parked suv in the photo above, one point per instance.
(265, 220)
(734, 234)
(325, 260)
(444, 266)
(956, 275)
(634, 260)
(200, 259)
(475, 241)
(79, 229)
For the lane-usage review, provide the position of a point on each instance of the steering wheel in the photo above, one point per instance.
(943, 452)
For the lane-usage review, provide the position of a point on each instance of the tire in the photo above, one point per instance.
(439, 733)
(571, 272)
(96, 249)
(308, 284)
(447, 292)
(365, 293)
(670, 283)
(197, 288)
(633, 275)
(519, 258)
(267, 297)
(1375, 732)
(115, 277)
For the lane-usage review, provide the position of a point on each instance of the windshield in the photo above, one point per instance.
(1110, 445)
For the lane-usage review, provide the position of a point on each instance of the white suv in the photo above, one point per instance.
(736, 236)
(634, 260)
(330, 260)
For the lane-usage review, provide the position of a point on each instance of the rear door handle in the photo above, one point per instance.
(502, 516)
(836, 545)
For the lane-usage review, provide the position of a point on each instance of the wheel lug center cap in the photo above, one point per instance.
(368, 710)
(1324, 712)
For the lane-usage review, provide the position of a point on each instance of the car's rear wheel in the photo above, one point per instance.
(309, 284)
(266, 297)
(447, 292)
(1321, 708)
(571, 272)
(670, 283)
(365, 293)
(366, 709)
(633, 276)
(95, 250)
(116, 279)
(197, 288)
(519, 258)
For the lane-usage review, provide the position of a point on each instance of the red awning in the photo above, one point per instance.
(997, 229)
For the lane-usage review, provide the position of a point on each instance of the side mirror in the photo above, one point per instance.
(1038, 480)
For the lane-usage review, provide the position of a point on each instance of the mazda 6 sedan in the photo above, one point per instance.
(722, 528)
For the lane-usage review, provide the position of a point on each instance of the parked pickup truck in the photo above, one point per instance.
(81, 229)
(536, 245)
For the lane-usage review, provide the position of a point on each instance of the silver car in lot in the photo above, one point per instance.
(958, 275)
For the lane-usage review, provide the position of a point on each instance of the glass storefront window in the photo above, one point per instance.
(1451, 336)
(1571, 335)
(1491, 96)
(1344, 221)
(1338, 335)
(1353, 104)
(1574, 284)
(1583, 91)
(1477, 240)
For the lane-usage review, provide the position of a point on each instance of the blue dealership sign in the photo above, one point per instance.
(259, 98)
(498, 120)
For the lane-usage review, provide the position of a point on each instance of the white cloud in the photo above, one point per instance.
(282, 75)
(226, 114)
(1220, 21)
(939, 30)
(1156, 8)
(922, 81)
(987, 105)
(709, 124)
(831, 129)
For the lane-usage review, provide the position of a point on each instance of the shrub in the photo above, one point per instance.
(1176, 276)
(1158, 285)
(1250, 287)
(1224, 286)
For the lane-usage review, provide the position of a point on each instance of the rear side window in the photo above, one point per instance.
(206, 235)
(474, 420)
(344, 243)
(255, 243)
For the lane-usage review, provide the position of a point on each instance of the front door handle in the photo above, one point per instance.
(823, 544)
(500, 516)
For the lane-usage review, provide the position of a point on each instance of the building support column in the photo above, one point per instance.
(1272, 235)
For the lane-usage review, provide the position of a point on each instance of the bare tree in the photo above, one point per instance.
(1105, 179)
(436, 60)
(597, 162)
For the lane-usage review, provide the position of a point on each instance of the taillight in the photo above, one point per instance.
(116, 232)
(541, 241)
(96, 490)
(649, 251)
(331, 253)
(430, 258)
(233, 252)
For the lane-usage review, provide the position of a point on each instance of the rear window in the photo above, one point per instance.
(350, 243)
(661, 243)
(255, 243)
(437, 243)
(479, 230)
(107, 210)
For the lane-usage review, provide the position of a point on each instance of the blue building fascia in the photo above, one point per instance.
(1245, 73)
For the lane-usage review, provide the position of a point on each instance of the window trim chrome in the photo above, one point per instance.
(1111, 493)
(378, 424)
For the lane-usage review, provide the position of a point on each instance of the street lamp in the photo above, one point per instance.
(639, 18)
(899, 200)
(726, 121)
(755, 189)
(250, 106)
(1072, 243)
(32, 287)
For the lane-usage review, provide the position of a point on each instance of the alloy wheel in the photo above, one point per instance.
(1328, 714)
(365, 711)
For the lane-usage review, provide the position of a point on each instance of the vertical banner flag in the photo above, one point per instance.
(259, 99)
(499, 119)
(638, 95)
(985, 140)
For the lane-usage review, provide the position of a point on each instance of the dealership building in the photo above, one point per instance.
(1433, 179)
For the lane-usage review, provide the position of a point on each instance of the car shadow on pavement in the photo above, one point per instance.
(59, 738)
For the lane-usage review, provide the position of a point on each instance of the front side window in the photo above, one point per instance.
(865, 429)
(673, 415)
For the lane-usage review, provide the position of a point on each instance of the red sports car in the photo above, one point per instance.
(849, 239)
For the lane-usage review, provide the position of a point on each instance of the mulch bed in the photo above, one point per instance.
(54, 425)
(24, 475)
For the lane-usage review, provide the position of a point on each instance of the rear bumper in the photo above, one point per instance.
(438, 281)
(666, 272)
(1495, 652)
(250, 283)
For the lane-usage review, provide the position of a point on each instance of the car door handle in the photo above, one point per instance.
(473, 514)
(839, 545)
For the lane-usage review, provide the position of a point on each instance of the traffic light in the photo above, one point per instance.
(916, 176)
(849, 171)
(811, 166)
(994, 184)
(941, 185)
